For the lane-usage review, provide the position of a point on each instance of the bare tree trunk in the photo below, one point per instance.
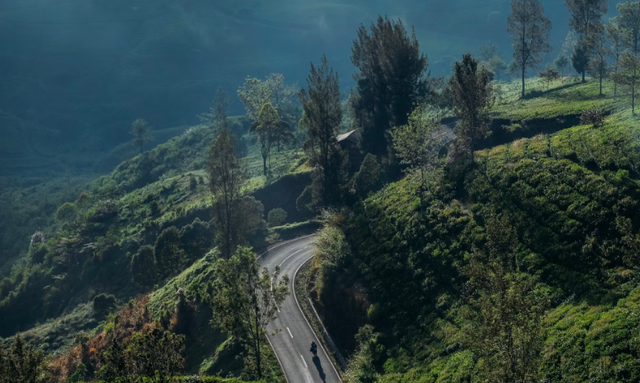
(633, 100)
(228, 229)
(633, 93)
(264, 164)
(601, 74)
(258, 356)
(524, 60)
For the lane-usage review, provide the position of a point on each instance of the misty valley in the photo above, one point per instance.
(243, 191)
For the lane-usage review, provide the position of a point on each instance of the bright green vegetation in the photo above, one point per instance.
(157, 203)
(526, 237)
(572, 198)
(562, 97)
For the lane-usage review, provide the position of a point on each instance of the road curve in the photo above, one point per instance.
(290, 334)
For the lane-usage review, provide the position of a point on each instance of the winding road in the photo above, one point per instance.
(290, 334)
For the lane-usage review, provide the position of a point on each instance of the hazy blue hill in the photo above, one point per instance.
(89, 70)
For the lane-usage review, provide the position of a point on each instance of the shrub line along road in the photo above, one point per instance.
(290, 334)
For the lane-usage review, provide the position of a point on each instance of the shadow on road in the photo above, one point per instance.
(316, 361)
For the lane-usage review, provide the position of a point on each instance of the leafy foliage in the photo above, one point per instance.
(196, 239)
(67, 213)
(505, 327)
(155, 354)
(472, 96)
(417, 145)
(143, 267)
(227, 176)
(244, 300)
(22, 363)
(362, 367)
(580, 58)
(367, 179)
(391, 80)
(271, 131)
(630, 20)
(561, 62)
(629, 76)
(321, 120)
(168, 251)
(549, 74)
(104, 304)
(277, 217)
(255, 93)
(141, 134)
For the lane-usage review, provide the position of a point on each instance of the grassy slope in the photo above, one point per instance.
(567, 193)
(170, 176)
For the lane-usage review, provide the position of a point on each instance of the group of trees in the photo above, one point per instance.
(174, 250)
(391, 79)
(22, 363)
(236, 216)
(505, 320)
(389, 102)
(245, 300)
(271, 130)
(596, 45)
(492, 60)
(154, 355)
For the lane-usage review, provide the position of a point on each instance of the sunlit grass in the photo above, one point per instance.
(560, 98)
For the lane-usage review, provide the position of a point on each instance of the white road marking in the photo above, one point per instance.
(305, 363)
(286, 259)
(290, 333)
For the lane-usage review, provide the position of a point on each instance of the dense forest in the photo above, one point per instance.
(476, 226)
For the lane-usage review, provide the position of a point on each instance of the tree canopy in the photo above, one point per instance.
(391, 79)
(321, 121)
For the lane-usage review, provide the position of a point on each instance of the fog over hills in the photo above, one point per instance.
(88, 68)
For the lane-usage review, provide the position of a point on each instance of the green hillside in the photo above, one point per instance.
(571, 197)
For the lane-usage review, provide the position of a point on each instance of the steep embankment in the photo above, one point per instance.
(572, 198)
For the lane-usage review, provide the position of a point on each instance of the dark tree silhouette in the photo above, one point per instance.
(580, 58)
(561, 62)
(143, 267)
(586, 20)
(472, 96)
(228, 175)
(391, 79)
(321, 120)
(141, 133)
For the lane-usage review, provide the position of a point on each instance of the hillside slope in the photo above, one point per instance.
(572, 198)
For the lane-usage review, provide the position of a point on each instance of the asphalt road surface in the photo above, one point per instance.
(290, 334)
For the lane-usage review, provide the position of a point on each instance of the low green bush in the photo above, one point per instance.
(277, 217)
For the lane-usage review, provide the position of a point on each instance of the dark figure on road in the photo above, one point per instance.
(314, 349)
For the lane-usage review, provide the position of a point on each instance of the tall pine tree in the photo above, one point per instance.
(391, 79)
(321, 120)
